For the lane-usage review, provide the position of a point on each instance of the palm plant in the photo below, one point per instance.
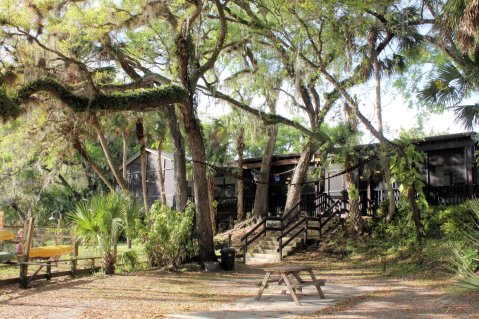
(468, 279)
(101, 221)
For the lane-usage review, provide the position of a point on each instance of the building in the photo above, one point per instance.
(450, 173)
(450, 177)
(133, 176)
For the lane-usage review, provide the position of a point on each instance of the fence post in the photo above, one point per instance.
(74, 260)
(49, 269)
(306, 233)
(245, 248)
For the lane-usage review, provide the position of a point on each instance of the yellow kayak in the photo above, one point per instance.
(6, 235)
(50, 251)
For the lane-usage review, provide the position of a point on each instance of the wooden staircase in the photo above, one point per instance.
(274, 238)
(265, 249)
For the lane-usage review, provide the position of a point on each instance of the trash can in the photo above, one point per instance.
(228, 258)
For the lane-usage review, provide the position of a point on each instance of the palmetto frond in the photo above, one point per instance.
(467, 115)
(468, 279)
(101, 221)
(447, 89)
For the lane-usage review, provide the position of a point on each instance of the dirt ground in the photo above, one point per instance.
(160, 294)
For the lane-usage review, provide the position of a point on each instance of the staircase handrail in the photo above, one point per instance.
(291, 238)
(290, 217)
(261, 222)
(332, 215)
(290, 211)
(284, 234)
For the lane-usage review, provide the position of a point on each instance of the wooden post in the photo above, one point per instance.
(92, 265)
(280, 249)
(29, 225)
(49, 270)
(306, 234)
(74, 261)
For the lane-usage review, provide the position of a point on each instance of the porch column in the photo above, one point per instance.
(468, 166)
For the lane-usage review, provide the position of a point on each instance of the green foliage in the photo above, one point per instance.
(8, 108)
(450, 231)
(405, 168)
(466, 260)
(101, 221)
(168, 239)
(129, 259)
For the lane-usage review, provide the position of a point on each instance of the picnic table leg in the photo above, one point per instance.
(298, 278)
(263, 285)
(291, 290)
(318, 287)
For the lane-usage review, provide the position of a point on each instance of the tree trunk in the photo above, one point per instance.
(161, 174)
(124, 157)
(197, 147)
(240, 183)
(383, 160)
(261, 198)
(140, 135)
(181, 184)
(299, 174)
(84, 154)
(211, 199)
(106, 150)
(356, 222)
(416, 216)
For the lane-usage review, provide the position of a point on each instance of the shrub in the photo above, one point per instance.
(168, 241)
(129, 259)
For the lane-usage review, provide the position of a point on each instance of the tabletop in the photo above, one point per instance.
(285, 269)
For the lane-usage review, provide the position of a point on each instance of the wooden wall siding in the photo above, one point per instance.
(450, 173)
(447, 167)
(153, 179)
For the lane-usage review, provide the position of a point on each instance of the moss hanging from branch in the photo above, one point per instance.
(140, 100)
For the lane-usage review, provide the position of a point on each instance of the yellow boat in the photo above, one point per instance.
(6, 235)
(50, 251)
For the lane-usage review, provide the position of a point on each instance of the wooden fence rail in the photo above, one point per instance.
(24, 279)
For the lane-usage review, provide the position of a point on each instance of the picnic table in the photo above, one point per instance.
(294, 283)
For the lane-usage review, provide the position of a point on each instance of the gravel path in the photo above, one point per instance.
(353, 293)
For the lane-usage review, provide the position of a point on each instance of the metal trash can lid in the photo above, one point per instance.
(228, 250)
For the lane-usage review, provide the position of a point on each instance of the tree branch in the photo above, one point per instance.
(141, 100)
(219, 43)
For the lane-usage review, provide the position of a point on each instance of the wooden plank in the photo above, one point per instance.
(287, 269)
(291, 290)
(318, 287)
(32, 277)
(263, 285)
(276, 279)
(309, 283)
(44, 264)
(9, 281)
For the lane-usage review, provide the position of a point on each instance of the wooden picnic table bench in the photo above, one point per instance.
(280, 275)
